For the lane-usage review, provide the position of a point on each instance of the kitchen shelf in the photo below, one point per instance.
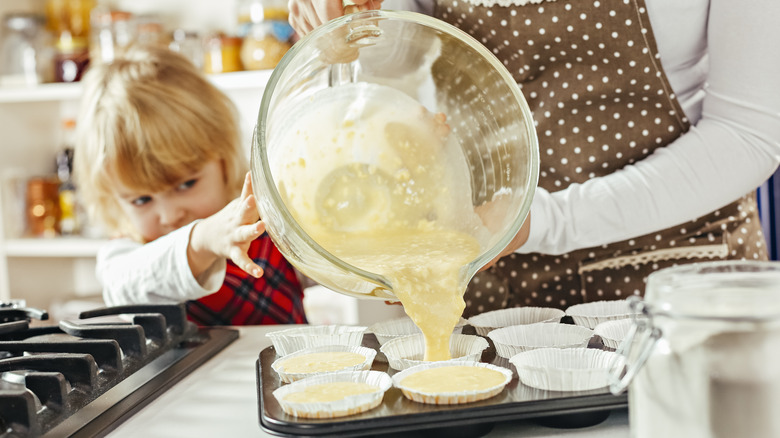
(54, 247)
(241, 80)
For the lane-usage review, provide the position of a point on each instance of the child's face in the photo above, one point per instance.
(196, 197)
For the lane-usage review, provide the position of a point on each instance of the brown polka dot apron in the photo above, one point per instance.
(592, 76)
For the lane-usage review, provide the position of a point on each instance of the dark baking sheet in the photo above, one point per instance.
(397, 414)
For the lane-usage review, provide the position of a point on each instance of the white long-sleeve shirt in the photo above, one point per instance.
(722, 61)
(157, 272)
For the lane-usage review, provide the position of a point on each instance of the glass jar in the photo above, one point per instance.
(112, 30)
(20, 53)
(189, 44)
(265, 45)
(222, 54)
(703, 364)
(43, 206)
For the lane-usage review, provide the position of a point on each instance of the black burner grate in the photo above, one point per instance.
(81, 378)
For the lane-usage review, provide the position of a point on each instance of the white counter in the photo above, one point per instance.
(219, 399)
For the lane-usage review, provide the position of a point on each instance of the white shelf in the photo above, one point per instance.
(54, 247)
(241, 80)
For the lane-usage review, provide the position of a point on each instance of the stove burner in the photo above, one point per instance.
(81, 378)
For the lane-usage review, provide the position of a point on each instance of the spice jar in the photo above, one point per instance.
(43, 206)
(21, 49)
(267, 34)
(703, 363)
(189, 44)
(222, 54)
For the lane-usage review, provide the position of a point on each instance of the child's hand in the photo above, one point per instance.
(228, 234)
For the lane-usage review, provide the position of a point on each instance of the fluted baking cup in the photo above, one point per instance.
(518, 338)
(400, 327)
(466, 387)
(564, 369)
(613, 332)
(291, 340)
(592, 314)
(409, 351)
(342, 407)
(321, 360)
(486, 322)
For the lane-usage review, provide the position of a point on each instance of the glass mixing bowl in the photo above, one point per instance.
(380, 62)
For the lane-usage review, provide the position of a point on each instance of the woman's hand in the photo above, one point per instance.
(228, 234)
(520, 238)
(305, 15)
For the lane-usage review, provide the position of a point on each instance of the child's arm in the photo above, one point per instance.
(227, 235)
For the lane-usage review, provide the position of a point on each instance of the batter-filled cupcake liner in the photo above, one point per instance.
(400, 327)
(518, 338)
(486, 322)
(291, 340)
(349, 405)
(450, 397)
(282, 365)
(409, 351)
(564, 369)
(594, 313)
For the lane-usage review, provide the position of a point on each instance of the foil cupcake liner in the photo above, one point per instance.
(291, 340)
(564, 369)
(518, 338)
(486, 322)
(279, 365)
(350, 405)
(400, 327)
(406, 352)
(450, 397)
(594, 313)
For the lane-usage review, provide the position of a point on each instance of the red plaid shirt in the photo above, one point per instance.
(274, 298)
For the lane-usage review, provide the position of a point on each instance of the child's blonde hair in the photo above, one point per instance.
(147, 120)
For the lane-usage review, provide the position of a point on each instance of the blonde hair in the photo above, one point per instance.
(147, 120)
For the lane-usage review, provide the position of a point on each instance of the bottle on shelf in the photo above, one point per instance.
(266, 33)
(69, 23)
(69, 221)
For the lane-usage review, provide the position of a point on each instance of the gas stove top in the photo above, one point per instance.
(84, 377)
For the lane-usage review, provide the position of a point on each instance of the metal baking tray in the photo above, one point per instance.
(398, 415)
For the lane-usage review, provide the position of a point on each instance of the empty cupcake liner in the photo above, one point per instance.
(350, 405)
(486, 322)
(403, 326)
(613, 332)
(592, 314)
(564, 369)
(518, 338)
(406, 352)
(291, 340)
(281, 365)
(450, 397)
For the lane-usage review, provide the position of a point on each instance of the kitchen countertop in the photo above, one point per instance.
(219, 399)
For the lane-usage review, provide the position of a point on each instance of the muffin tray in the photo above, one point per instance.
(400, 416)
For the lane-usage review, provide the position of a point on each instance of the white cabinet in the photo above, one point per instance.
(43, 271)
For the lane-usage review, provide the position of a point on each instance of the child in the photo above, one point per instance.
(158, 162)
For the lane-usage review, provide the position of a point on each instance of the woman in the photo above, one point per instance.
(656, 122)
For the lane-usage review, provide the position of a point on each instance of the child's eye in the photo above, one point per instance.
(187, 184)
(141, 200)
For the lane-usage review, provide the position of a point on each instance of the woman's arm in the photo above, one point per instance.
(730, 151)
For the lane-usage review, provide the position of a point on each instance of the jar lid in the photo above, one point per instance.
(737, 290)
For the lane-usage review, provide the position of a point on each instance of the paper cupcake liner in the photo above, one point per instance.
(450, 398)
(564, 369)
(613, 332)
(291, 340)
(592, 314)
(518, 338)
(349, 406)
(406, 352)
(400, 327)
(287, 377)
(486, 322)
